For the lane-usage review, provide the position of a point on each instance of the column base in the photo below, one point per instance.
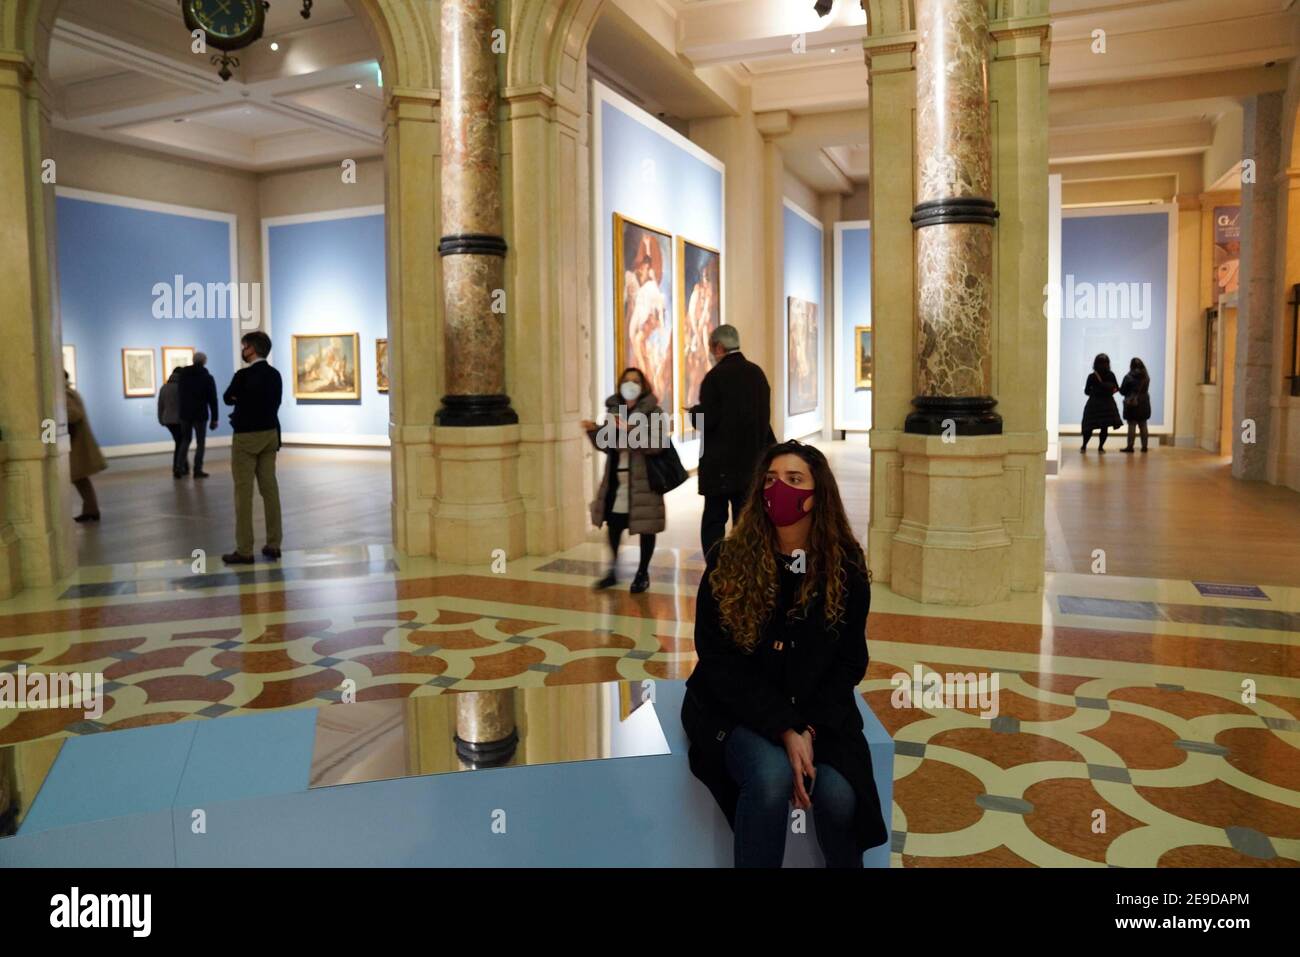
(468, 411)
(953, 415)
(478, 515)
(952, 546)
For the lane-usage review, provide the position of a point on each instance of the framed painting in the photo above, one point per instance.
(862, 365)
(70, 364)
(643, 305)
(325, 366)
(176, 357)
(381, 364)
(138, 373)
(802, 334)
(699, 312)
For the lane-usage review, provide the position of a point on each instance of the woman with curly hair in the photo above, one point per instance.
(780, 630)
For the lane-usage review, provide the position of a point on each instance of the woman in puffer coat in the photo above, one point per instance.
(635, 427)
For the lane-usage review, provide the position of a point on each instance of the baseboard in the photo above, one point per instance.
(153, 448)
(347, 439)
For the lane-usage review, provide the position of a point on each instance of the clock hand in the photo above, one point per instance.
(224, 5)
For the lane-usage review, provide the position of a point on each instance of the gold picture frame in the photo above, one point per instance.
(652, 306)
(325, 366)
(139, 374)
(170, 355)
(864, 355)
(695, 259)
(381, 364)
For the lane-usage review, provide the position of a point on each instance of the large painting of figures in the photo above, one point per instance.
(325, 366)
(699, 312)
(801, 356)
(643, 304)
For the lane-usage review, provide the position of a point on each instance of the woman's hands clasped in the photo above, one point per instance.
(799, 749)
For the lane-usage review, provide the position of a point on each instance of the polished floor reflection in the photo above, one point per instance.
(1139, 722)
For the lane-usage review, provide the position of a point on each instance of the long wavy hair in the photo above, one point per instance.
(745, 580)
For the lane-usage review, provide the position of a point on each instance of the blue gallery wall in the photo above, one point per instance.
(109, 259)
(646, 174)
(328, 276)
(803, 278)
(1114, 248)
(855, 310)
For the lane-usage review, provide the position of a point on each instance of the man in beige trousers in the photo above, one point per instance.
(255, 392)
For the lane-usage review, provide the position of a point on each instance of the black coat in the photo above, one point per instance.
(255, 392)
(811, 680)
(198, 395)
(1100, 411)
(735, 405)
(1137, 397)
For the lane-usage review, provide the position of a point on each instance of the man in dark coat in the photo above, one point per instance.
(199, 410)
(734, 418)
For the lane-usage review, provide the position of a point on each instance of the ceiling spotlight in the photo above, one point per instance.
(356, 86)
(823, 7)
(274, 46)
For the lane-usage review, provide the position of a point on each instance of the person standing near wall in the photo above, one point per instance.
(1099, 411)
(85, 459)
(734, 419)
(255, 392)
(169, 416)
(1136, 390)
(199, 410)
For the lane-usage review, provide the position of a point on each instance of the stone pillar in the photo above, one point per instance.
(957, 490)
(1253, 387)
(954, 218)
(486, 736)
(476, 439)
(472, 246)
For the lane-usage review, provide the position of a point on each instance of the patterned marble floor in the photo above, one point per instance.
(1123, 733)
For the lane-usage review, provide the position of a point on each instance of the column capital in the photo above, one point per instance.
(892, 54)
(1022, 38)
(774, 124)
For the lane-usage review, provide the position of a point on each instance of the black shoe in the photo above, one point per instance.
(1127, 449)
(177, 474)
(199, 473)
(606, 582)
(1144, 448)
(87, 517)
(234, 558)
(271, 552)
(1101, 450)
(640, 583)
(1083, 450)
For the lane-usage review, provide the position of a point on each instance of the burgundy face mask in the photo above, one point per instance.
(784, 503)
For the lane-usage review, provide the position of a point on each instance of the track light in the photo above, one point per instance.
(823, 7)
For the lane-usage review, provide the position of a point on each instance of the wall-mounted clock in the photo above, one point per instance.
(229, 25)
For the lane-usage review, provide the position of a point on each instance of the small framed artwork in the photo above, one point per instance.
(176, 357)
(70, 364)
(381, 364)
(325, 366)
(139, 376)
(862, 366)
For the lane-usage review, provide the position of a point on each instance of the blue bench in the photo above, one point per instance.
(249, 775)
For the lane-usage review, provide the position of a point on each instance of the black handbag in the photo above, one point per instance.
(664, 471)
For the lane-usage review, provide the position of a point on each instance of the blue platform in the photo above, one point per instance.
(128, 799)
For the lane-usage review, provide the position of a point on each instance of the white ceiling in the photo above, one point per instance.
(124, 71)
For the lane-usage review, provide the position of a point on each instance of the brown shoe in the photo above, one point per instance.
(234, 558)
(271, 552)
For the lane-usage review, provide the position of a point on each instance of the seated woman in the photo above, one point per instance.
(780, 630)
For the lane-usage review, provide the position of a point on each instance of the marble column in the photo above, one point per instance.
(486, 735)
(472, 245)
(953, 218)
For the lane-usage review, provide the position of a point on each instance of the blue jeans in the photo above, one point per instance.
(762, 772)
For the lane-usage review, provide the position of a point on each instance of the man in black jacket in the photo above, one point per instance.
(734, 418)
(255, 392)
(199, 410)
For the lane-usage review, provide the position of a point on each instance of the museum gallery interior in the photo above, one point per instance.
(455, 225)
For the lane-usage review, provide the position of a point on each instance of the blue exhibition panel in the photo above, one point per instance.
(249, 778)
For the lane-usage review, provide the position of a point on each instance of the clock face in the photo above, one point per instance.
(227, 19)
